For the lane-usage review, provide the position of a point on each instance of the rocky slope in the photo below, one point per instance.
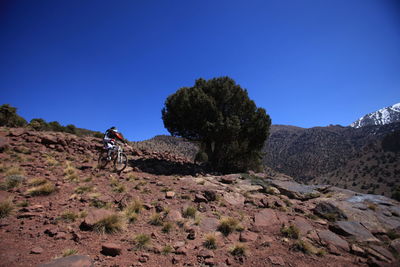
(380, 117)
(54, 202)
(338, 155)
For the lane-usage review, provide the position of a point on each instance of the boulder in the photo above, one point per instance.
(296, 190)
(70, 261)
(93, 217)
(303, 225)
(329, 210)
(329, 238)
(174, 216)
(229, 179)
(277, 260)
(49, 139)
(111, 249)
(354, 230)
(199, 198)
(247, 236)
(37, 250)
(170, 194)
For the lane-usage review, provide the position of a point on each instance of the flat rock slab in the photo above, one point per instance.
(247, 236)
(329, 238)
(266, 218)
(303, 225)
(354, 230)
(209, 224)
(235, 199)
(70, 261)
(296, 190)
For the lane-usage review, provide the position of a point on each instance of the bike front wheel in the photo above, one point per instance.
(120, 162)
(103, 161)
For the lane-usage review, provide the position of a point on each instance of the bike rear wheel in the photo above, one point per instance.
(120, 162)
(103, 161)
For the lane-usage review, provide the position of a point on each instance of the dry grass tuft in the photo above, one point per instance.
(291, 232)
(156, 219)
(42, 190)
(111, 224)
(210, 241)
(6, 208)
(141, 241)
(37, 181)
(228, 224)
(69, 252)
(238, 250)
(190, 212)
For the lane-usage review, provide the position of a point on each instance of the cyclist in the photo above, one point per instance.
(110, 136)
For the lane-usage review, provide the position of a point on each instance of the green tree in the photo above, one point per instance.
(10, 118)
(70, 128)
(56, 126)
(39, 124)
(219, 114)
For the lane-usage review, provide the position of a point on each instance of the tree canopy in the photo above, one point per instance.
(220, 115)
(10, 118)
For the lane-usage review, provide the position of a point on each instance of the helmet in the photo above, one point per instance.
(114, 129)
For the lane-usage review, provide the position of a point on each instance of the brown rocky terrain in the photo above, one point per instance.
(58, 209)
(352, 158)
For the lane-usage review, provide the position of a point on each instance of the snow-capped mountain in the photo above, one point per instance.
(383, 116)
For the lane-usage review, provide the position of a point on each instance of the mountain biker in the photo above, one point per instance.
(110, 136)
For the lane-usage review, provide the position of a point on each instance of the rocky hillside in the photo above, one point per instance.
(334, 154)
(380, 117)
(57, 208)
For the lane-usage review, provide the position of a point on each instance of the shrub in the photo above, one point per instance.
(227, 225)
(306, 247)
(69, 252)
(156, 219)
(83, 189)
(291, 232)
(167, 249)
(210, 241)
(42, 190)
(110, 224)
(37, 181)
(6, 208)
(167, 227)
(12, 181)
(14, 170)
(190, 212)
(392, 234)
(238, 250)
(141, 241)
(69, 216)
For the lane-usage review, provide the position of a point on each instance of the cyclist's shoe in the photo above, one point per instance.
(108, 158)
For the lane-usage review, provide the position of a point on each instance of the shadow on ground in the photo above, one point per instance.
(164, 167)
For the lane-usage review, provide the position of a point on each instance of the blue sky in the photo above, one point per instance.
(100, 63)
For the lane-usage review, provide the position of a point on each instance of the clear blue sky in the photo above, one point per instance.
(97, 63)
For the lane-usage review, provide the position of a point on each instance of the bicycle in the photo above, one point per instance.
(117, 156)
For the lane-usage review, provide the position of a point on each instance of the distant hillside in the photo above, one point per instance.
(344, 156)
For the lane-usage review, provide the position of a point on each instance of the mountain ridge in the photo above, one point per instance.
(380, 117)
